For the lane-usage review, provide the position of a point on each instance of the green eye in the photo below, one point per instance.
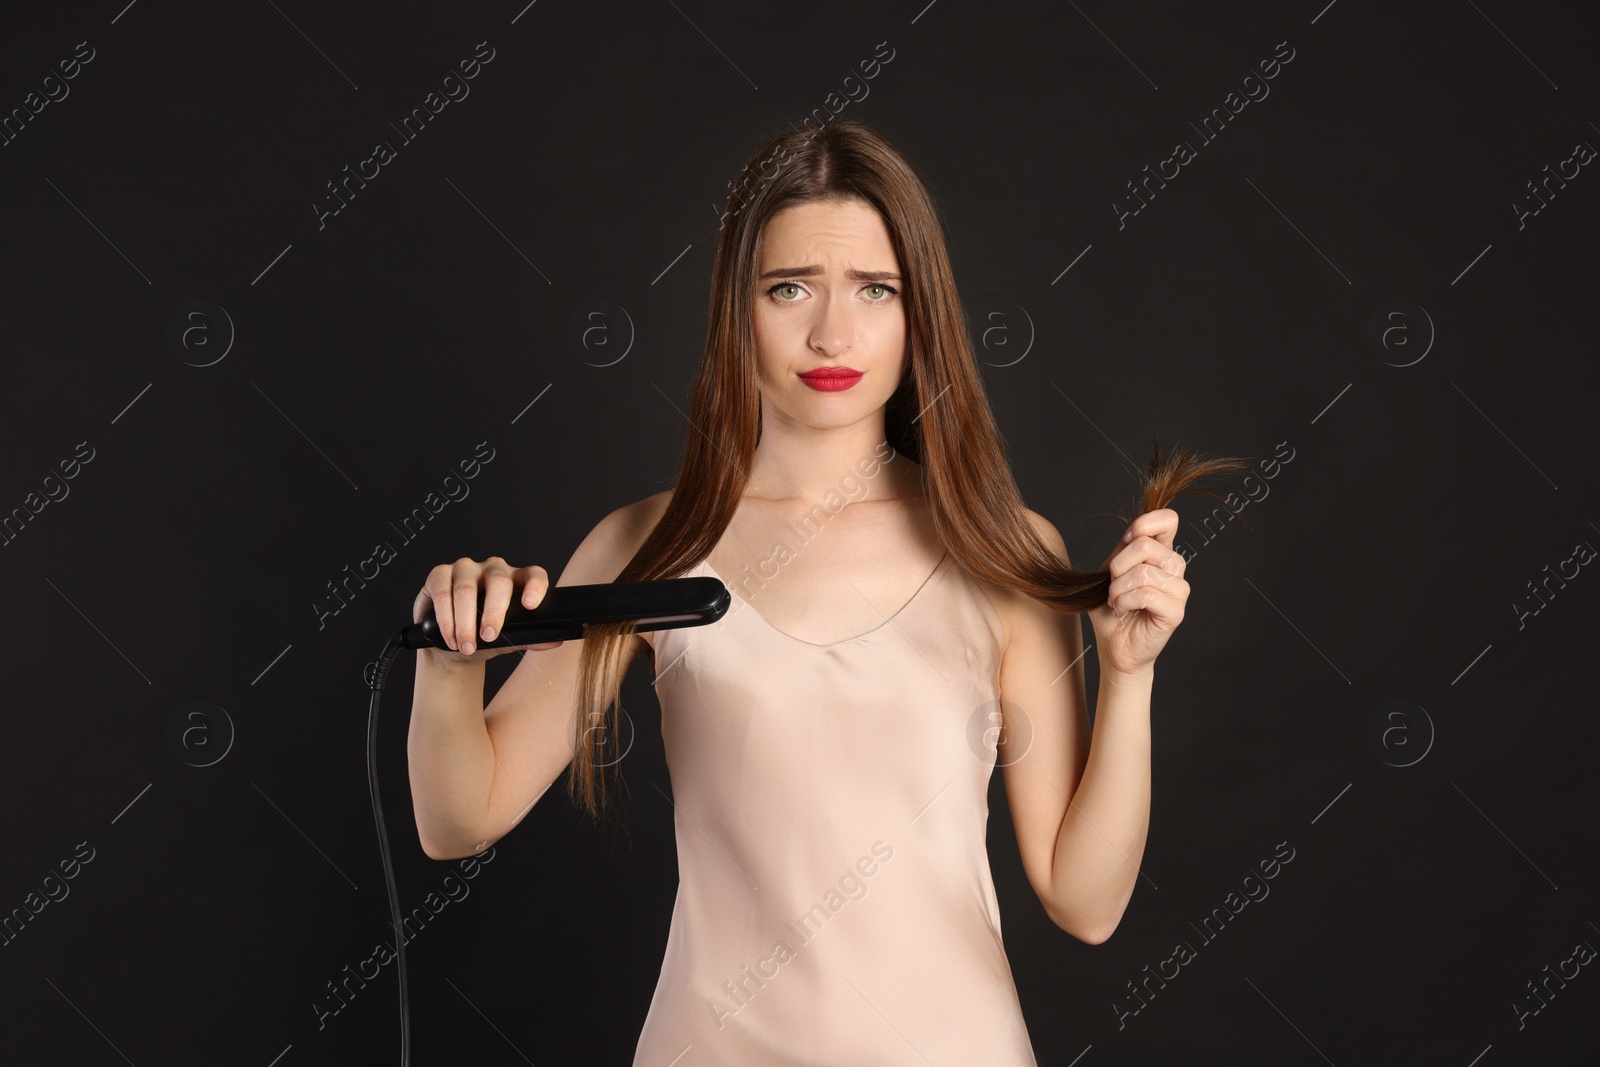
(886, 291)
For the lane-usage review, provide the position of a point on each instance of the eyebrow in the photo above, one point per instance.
(813, 270)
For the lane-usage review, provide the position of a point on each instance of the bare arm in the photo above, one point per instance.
(476, 771)
(1080, 801)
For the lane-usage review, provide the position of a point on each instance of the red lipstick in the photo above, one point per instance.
(831, 379)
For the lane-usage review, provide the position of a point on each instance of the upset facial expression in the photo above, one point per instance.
(828, 299)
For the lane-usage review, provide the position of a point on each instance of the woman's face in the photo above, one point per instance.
(827, 297)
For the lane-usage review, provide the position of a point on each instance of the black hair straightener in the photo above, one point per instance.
(567, 609)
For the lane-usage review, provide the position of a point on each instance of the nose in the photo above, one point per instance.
(831, 326)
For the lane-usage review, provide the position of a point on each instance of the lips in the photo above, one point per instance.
(831, 379)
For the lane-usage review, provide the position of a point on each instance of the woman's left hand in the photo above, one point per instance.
(1146, 598)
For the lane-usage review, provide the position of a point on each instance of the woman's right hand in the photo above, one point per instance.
(452, 590)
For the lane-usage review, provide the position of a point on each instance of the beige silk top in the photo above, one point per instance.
(835, 904)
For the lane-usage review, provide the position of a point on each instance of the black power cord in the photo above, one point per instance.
(378, 675)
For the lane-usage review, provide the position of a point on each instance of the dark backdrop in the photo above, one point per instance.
(221, 394)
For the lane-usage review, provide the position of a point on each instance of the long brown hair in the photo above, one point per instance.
(939, 416)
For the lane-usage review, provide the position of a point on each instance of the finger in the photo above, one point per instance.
(1144, 550)
(1161, 524)
(1154, 575)
(464, 590)
(1163, 608)
(1143, 595)
(535, 584)
(1144, 576)
(1166, 526)
(420, 606)
(498, 588)
(439, 594)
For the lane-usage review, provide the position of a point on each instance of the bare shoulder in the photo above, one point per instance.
(602, 554)
(1017, 610)
(600, 557)
(1048, 533)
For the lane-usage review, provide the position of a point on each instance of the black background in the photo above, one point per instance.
(1436, 472)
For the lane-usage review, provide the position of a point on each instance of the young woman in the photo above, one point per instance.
(901, 625)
